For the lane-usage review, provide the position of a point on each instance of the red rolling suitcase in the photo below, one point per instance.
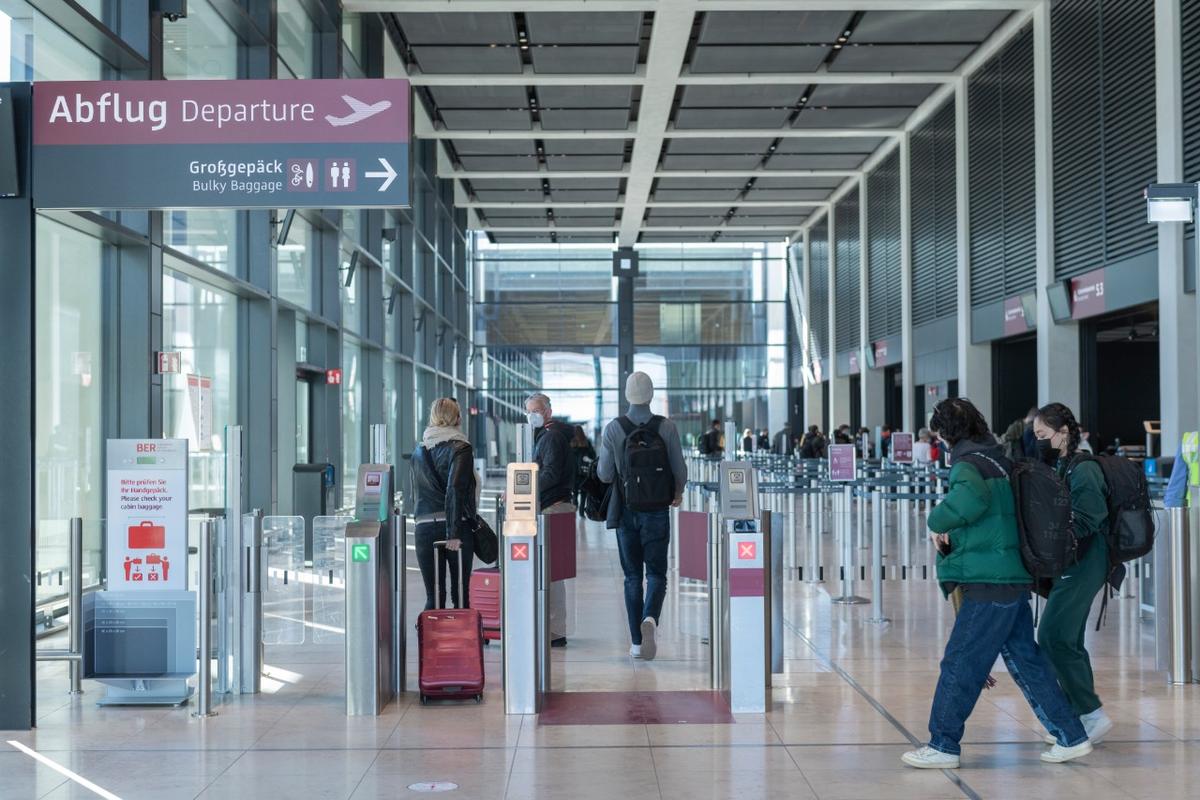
(450, 647)
(485, 597)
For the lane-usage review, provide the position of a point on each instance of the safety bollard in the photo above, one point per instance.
(877, 616)
(1177, 601)
(204, 606)
(843, 520)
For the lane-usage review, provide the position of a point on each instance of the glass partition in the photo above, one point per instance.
(286, 578)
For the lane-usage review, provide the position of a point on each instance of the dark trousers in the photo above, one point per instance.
(1064, 624)
(982, 631)
(643, 541)
(426, 534)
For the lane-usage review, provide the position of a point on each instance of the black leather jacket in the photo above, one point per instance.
(455, 465)
(556, 466)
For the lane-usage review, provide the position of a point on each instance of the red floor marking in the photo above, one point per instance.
(635, 708)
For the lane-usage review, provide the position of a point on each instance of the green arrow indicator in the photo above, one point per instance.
(360, 552)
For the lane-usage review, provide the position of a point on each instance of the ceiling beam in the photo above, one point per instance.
(668, 49)
(782, 230)
(427, 131)
(513, 6)
(546, 174)
(649, 204)
(688, 78)
(528, 77)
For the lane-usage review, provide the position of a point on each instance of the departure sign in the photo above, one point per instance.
(221, 144)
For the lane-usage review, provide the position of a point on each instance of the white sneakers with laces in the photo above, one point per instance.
(1097, 725)
(635, 650)
(649, 643)
(928, 758)
(1059, 754)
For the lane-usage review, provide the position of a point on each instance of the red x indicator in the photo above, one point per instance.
(746, 551)
(520, 552)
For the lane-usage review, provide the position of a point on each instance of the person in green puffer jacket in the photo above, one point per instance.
(975, 530)
(1064, 622)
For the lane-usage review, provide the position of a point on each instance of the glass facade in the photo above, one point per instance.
(259, 316)
(710, 328)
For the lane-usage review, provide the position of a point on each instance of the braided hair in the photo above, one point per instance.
(1057, 416)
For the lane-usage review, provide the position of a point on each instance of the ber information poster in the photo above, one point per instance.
(842, 462)
(902, 448)
(147, 514)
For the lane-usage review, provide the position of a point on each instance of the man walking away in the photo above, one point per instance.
(712, 442)
(641, 454)
(556, 483)
(783, 440)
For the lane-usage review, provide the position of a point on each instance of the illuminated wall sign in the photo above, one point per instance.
(222, 144)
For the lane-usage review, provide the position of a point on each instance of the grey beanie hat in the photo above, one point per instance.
(639, 389)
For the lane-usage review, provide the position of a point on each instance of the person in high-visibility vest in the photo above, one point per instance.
(1184, 485)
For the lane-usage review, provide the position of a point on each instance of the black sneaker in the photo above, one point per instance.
(561, 641)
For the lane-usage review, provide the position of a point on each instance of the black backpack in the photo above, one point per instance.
(647, 483)
(594, 495)
(1045, 521)
(1131, 527)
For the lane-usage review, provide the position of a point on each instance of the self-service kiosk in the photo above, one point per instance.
(742, 651)
(372, 577)
(525, 586)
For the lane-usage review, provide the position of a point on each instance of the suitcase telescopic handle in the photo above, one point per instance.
(437, 572)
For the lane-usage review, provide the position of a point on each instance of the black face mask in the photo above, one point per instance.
(1046, 451)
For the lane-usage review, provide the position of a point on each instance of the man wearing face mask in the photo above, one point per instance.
(556, 483)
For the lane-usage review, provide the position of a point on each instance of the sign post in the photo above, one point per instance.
(222, 144)
(842, 462)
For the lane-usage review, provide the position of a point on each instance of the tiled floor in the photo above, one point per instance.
(854, 696)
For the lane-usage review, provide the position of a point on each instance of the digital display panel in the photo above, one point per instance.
(522, 482)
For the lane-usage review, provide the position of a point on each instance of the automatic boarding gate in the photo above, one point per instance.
(375, 555)
(740, 594)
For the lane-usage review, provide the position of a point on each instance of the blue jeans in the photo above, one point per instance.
(982, 631)
(643, 540)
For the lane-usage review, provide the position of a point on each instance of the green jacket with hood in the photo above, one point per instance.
(979, 514)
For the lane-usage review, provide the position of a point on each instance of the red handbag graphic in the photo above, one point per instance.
(147, 536)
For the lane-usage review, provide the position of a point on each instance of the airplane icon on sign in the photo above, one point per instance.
(358, 111)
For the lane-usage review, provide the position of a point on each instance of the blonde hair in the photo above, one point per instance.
(444, 413)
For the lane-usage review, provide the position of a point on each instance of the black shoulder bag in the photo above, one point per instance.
(487, 545)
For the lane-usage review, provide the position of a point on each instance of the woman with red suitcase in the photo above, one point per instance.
(446, 492)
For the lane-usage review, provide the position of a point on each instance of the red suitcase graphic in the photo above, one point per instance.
(147, 536)
(485, 598)
(450, 648)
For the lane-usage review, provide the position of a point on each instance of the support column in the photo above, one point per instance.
(625, 269)
(1177, 346)
(814, 411)
(974, 360)
(839, 388)
(17, 686)
(1057, 344)
(871, 391)
(907, 367)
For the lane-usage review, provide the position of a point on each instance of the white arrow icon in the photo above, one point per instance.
(388, 175)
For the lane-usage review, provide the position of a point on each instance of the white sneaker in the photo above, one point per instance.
(649, 645)
(635, 650)
(928, 758)
(1097, 724)
(1059, 754)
